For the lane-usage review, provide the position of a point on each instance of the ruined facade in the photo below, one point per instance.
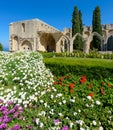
(36, 35)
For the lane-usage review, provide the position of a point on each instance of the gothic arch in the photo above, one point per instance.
(86, 34)
(109, 42)
(95, 34)
(77, 34)
(15, 43)
(87, 41)
(63, 43)
(110, 31)
(48, 42)
(74, 37)
(26, 46)
(104, 33)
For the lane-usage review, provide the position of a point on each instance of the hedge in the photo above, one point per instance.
(92, 68)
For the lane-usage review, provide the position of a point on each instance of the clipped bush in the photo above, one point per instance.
(91, 68)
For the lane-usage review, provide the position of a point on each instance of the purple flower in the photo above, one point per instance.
(9, 129)
(2, 126)
(5, 112)
(2, 108)
(34, 120)
(1, 101)
(57, 121)
(16, 107)
(65, 128)
(16, 127)
(21, 117)
(12, 111)
(9, 102)
(5, 120)
(21, 110)
(15, 114)
(1, 118)
(30, 127)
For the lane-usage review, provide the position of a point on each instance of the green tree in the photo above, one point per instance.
(81, 29)
(96, 26)
(1, 47)
(77, 28)
(81, 24)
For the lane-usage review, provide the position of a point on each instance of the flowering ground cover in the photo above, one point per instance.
(32, 98)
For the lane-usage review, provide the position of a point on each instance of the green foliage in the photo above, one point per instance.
(72, 101)
(96, 24)
(92, 68)
(1, 47)
(77, 28)
(79, 54)
(81, 24)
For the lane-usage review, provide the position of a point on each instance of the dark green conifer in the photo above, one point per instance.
(1, 47)
(96, 26)
(77, 27)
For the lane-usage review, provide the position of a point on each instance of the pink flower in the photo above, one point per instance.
(65, 128)
(57, 121)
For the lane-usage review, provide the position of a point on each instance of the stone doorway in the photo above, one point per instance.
(26, 46)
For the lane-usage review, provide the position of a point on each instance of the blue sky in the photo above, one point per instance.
(57, 13)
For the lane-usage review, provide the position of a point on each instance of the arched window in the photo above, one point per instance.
(23, 27)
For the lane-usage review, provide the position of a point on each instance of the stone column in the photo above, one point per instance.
(71, 45)
(35, 46)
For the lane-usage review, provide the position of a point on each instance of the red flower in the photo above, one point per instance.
(83, 79)
(103, 83)
(101, 89)
(103, 92)
(71, 90)
(90, 86)
(55, 83)
(109, 85)
(90, 94)
(71, 86)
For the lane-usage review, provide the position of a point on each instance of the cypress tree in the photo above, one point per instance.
(80, 19)
(81, 29)
(1, 47)
(96, 25)
(76, 27)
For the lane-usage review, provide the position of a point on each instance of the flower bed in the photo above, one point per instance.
(35, 100)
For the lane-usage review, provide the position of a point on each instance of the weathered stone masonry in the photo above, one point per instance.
(37, 35)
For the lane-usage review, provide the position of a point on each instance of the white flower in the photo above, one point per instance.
(71, 124)
(60, 103)
(45, 104)
(41, 125)
(75, 113)
(79, 110)
(60, 114)
(59, 95)
(98, 102)
(41, 101)
(52, 96)
(37, 121)
(101, 128)
(86, 105)
(82, 128)
(64, 101)
(80, 122)
(89, 97)
(72, 100)
(94, 123)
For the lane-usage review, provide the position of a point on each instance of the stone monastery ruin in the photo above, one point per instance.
(37, 35)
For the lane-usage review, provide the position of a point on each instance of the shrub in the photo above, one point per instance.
(91, 68)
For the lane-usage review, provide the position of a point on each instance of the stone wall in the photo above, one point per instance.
(36, 35)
